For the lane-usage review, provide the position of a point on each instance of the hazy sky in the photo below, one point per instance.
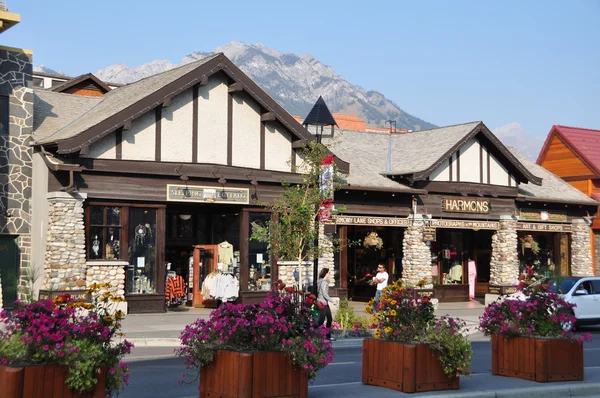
(529, 63)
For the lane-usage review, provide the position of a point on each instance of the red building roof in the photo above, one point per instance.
(585, 143)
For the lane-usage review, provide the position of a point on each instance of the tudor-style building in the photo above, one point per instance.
(573, 153)
(167, 173)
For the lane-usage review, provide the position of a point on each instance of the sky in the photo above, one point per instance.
(519, 66)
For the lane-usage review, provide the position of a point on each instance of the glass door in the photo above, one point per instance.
(143, 243)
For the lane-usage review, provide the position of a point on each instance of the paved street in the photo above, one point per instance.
(155, 373)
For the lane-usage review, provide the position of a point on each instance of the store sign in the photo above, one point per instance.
(531, 226)
(198, 194)
(77, 295)
(542, 215)
(376, 221)
(461, 224)
(476, 206)
(429, 234)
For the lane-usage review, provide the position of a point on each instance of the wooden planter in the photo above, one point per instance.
(404, 367)
(252, 375)
(537, 359)
(43, 381)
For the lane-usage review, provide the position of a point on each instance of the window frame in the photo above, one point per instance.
(105, 226)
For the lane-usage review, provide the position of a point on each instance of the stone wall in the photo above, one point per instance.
(15, 153)
(327, 255)
(416, 262)
(65, 267)
(113, 274)
(286, 272)
(504, 265)
(581, 249)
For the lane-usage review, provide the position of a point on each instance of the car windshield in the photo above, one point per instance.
(560, 286)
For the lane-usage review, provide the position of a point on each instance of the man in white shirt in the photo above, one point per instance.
(381, 279)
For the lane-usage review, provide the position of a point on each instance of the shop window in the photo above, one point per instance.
(4, 111)
(105, 231)
(142, 276)
(259, 276)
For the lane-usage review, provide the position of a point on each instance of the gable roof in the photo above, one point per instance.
(81, 79)
(53, 111)
(126, 103)
(584, 143)
(320, 115)
(440, 144)
(552, 189)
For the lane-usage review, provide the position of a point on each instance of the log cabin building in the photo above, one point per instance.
(165, 175)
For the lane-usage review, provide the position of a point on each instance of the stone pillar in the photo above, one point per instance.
(65, 267)
(504, 265)
(581, 249)
(416, 260)
(326, 258)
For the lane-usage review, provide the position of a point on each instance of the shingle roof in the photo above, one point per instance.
(320, 115)
(553, 187)
(53, 111)
(81, 78)
(418, 151)
(120, 98)
(585, 142)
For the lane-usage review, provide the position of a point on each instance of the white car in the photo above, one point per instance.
(583, 292)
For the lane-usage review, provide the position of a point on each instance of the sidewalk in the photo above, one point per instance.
(163, 330)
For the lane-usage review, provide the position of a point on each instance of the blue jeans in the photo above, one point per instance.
(377, 298)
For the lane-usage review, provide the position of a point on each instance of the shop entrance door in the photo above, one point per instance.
(9, 269)
(483, 259)
(205, 262)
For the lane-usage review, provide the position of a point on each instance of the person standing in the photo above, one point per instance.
(381, 279)
(323, 299)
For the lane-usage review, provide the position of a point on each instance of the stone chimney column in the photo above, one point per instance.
(416, 260)
(581, 249)
(504, 266)
(65, 267)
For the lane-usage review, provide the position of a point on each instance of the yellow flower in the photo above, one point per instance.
(108, 318)
(388, 329)
(393, 313)
(393, 302)
(119, 315)
(377, 334)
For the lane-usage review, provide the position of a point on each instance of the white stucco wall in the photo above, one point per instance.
(278, 147)
(212, 121)
(469, 161)
(442, 173)
(176, 129)
(104, 148)
(485, 166)
(498, 174)
(139, 143)
(39, 217)
(246, 131)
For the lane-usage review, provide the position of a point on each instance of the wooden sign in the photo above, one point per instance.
(375, 221)
(76, 295)
(200, 194)
(462, 224)
(429, 234)
(466, 205)
(532, 226)
(543, 215)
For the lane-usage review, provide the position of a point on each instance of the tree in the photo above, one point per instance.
(292, 232)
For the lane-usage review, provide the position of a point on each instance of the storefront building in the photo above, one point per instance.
(164, 176)
(454, 208)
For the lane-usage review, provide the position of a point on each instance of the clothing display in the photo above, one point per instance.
(220, 285)
(175, 289)
(226, 255)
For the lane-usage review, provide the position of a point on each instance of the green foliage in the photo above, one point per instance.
(347, 318)
(292, 236)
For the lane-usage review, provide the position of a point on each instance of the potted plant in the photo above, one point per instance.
(373, 240)
(246, 350)
(528, 242)
(62, 345)
(532, 337)
(421, 353)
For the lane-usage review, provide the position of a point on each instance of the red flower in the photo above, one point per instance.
(320, 305)
(289, 289)
(425, 300)
(281, 286)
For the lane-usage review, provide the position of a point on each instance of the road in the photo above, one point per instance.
(155, 373)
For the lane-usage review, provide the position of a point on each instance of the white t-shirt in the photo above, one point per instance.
(382, 275)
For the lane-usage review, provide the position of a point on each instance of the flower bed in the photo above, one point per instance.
(62, 332)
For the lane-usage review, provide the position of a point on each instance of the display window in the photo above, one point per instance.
(259, 260)
(538, 252)
(142, 251)
(104, 237)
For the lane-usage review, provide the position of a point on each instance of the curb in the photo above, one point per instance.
(174, 342)
(561, 391)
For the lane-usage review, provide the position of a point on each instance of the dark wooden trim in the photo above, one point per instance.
(509, 180)
(343, 234)
(565, 202)
(157, 124)
(167, 169)
(85, 149)
(581, 178)
(126, 204)
(229, 129)
(262, 145)
(293, 160)
(458, 165)
(124, 254)
(195, 123)
(469, 188)
(268, 117)
(450, 167)
(119, 144)
(167, 102)
(489, 162)
(104, 88)
(127, 125)
(383, 189)
(480, 162)
(235, 87)
(244, 239)
(299, 144)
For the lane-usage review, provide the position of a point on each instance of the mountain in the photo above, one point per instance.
(514, 134)
(45, 69)
(294, 81)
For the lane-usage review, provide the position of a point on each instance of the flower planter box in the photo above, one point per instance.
(404, 367)
(537, 359)
(43, 381)
(252, 375)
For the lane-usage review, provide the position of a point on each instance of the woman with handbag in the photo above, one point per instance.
(324, 301)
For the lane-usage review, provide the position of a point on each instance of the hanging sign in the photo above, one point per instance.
(376, 221)
(429, 234)
(543, 215)
(326, 188)
(475, 206)
(219, 195)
